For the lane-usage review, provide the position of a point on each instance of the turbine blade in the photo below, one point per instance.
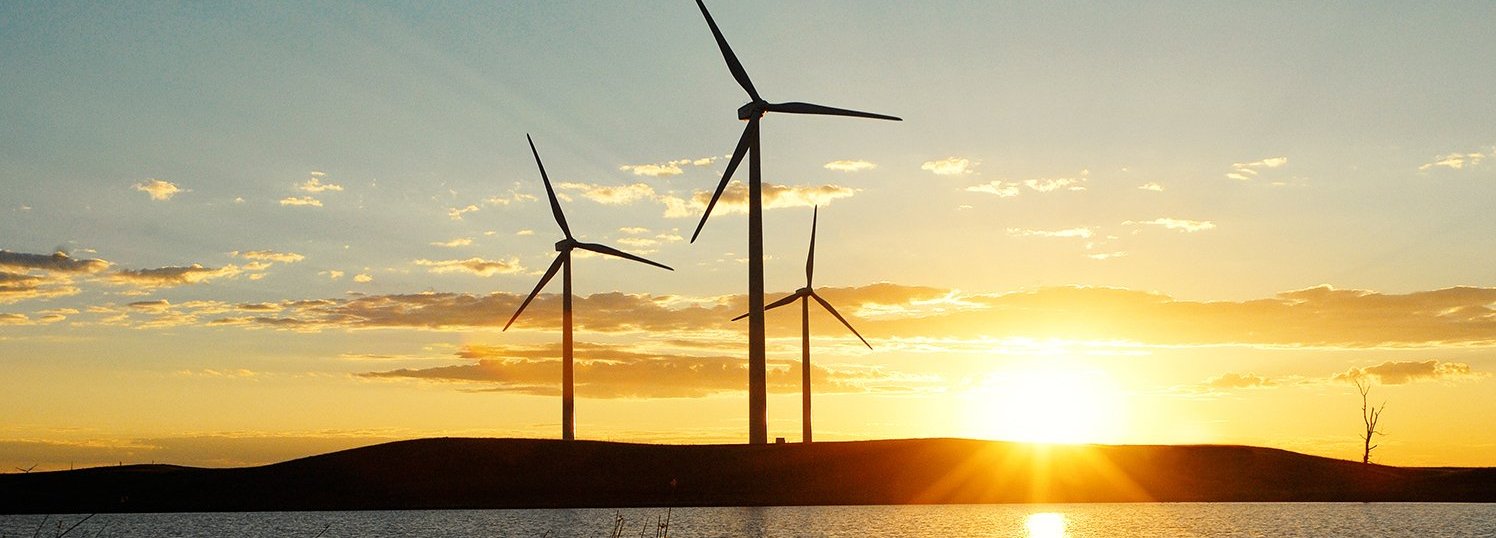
(549, 192)
(776, 304)
(807, 108)
(610, 251)
(732, 59)
(839, 317)
(810, 259)
(555, 266)
(732, 165)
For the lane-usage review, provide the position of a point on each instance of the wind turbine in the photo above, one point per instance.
(758, 427)
(804, 295)
(563, 264)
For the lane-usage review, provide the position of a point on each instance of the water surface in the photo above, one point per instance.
(1037, 521)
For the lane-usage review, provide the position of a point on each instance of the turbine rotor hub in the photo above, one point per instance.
(754, 109)
(565, 245)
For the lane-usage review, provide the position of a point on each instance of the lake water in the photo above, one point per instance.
(1037, 521)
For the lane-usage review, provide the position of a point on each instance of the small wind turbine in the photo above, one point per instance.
(758, 426)
(804, 295)
(563, 264)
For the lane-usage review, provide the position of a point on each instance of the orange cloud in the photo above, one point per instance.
(172, 276)
(609, 372)
(1401, 372)
(158, 189)
(1387, 373)
(474, 266)
(38, 276)
(1314, 317)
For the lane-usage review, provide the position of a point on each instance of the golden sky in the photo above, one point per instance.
(236, 235)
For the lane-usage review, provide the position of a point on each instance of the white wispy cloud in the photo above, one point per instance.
(1079, 233)
(949, 166)
(1151, 186)
(456, 213)
(268, 256)
(645, 245)
(458, 242)
(850, 166)
(1244, 171)
(1008, 189)
(611, 194)
(999, 188)
(653, 170)
(512, 197)
(362, 278)
(1454, 161)
(315, 184)
(159, 189)
(1183, 225)
(300, 201)
(668, 168)
(735, 199)
(1057, 183)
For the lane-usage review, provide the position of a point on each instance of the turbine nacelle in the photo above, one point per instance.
(566, 244)
(753, 109)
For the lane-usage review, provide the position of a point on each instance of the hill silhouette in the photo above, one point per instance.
(529, 473)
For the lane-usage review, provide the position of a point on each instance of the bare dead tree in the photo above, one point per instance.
(1369, 417)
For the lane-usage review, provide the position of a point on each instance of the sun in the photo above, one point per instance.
(1050, 401)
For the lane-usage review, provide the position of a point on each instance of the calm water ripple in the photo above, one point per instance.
(1036, 521)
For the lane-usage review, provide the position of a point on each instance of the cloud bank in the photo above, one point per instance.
(1313, 317)
(613, 372)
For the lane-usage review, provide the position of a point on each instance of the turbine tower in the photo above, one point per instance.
(804, 295)
(563, 264)
(758, 427)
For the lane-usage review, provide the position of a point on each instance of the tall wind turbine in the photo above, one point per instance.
(804, 295)
(758, 426)
(563, 264)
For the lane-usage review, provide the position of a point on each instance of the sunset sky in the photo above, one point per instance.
(237, 233)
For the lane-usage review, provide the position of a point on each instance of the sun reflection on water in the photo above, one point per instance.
(1045, 525)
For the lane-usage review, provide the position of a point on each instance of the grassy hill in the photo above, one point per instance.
(524, 473)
